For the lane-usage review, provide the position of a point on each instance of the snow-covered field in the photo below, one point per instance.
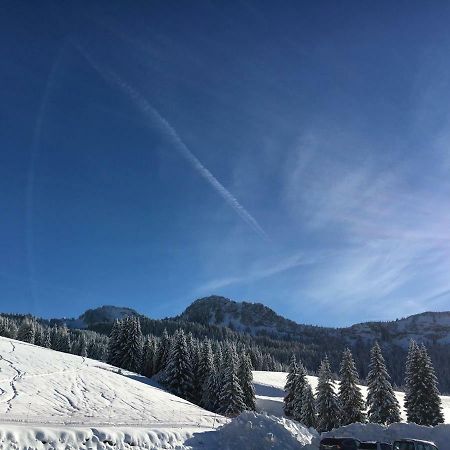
(55, 401)
(269, 393)
(43, 392)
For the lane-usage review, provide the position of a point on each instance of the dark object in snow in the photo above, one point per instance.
(339, 444)
(413, 444)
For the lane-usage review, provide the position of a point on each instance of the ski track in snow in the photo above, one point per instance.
(39, 385)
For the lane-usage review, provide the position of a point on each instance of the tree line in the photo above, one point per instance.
(214, 375)
(28, 329)
(328, 408)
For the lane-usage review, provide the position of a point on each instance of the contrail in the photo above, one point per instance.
(172, 136)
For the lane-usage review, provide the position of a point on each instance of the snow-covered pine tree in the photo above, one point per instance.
(327, 406)
(206, 357)
(26, 331)
(38, 334)
(130, 352)
(211, 391)
(47, 342)
(148, 356)
(428, 396)
(163, 352)
(308, 413)
(412, 380)
(289, 387)
(245, 376)
(197, 376)
(382, 405)
(114, 343)
(350, 397)
(300, 381)
(82, 345)
(64, 342)
(231, 396)
(208, 371)
(54, 337)
(178, 372)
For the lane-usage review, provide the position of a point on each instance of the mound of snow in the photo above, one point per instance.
(252, 431)
(440, 434)
(269, 387)
(15, 437)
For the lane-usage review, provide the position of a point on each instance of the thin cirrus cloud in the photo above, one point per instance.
(394, 232)
(175, 140)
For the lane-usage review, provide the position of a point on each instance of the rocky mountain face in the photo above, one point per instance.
(103, 314)
(430, 327)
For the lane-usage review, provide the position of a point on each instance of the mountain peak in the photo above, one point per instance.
(242, 316)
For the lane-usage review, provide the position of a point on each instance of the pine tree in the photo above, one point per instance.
(114, 343)
(231, 397)
(245, 376)
(382, 405)
(211, 391)
(308, 413)
(289, 387)
(300, 382)
(163, 352)
(412, 380)
(26, 331)
(148, 356)
(178, 372)
(350, 397)
(208, 371)
(47, 343)
(64, 343)
(423, 399)
(328, 410)
(82, 346)
(130, 352)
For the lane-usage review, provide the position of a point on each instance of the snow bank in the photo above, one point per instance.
(252, 431)
(17, 437)
(440, 434)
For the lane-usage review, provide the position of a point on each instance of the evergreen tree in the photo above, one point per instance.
(382, 405)
(211, 391)
(231, 396)
(289, 387)
(63, 341)
(350, 397)
(47, 342)
(130, 352)
(328, 410)
(163, 352)
(178, 371)
(422, 399)
(114, 343)
(26, 331)
(148, 356)
(82, 346)
(300, 382)
(308, 412)
(245, 376)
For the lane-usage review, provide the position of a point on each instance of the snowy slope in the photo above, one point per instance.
(52, 400)
(44, 386)
(269, 392)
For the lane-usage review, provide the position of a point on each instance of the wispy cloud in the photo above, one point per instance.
(392, 232)
(156, 119)
(265, 270)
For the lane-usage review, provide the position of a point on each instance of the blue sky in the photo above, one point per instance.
(291, 153)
